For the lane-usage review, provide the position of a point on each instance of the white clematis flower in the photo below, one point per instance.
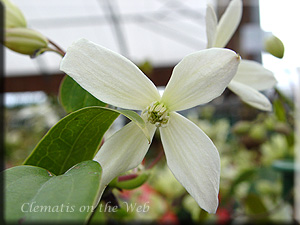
(197, 79)
(251, 77)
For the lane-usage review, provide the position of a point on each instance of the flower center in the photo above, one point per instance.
(157, 114)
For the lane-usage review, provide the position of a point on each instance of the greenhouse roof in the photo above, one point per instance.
(161, 32)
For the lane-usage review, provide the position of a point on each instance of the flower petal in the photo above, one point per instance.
(228, 23)
(211, 26)
(199, 78)
(255, 75)
(123, 151)
(250, 96)
(108, 76)
(193, 159)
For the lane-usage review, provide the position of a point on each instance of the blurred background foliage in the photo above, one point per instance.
(25, 125)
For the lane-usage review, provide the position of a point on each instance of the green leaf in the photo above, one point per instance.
(76, 138)
(73, 96)
(73, 139)
(33, 194)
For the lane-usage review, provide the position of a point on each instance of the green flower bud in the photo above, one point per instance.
(132, 183)
(24, 40)
(13, 15)
(274, 46)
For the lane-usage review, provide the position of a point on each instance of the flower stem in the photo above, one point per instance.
(59, 50)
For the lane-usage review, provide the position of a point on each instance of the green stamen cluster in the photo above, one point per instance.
(157, 114)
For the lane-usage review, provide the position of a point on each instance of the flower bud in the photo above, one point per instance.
(13, 15)
(131, 183)
(24, 40)
(274, 46)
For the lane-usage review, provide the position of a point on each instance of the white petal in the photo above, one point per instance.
(228, 23)
(123, 151)
(211, 26)
(193, 159)
(250, 96)
(199, 78)
(108, 76)
(255, 75)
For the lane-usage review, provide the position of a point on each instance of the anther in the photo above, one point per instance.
(157, 114)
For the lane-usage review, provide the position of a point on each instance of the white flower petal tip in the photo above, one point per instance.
(200, 77)
(108, 76)
(211, 26)
(228, 23)
(193, 159)
(250, 96)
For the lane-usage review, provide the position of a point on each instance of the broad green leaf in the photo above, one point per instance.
(76, 138)
(74, 97)
(33, 194)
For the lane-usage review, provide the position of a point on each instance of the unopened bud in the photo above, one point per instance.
(13, 15)
(131, 183)
(24, 40)
(274, 46)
